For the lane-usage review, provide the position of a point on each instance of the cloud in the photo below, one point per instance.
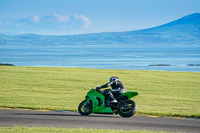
(35, 24)
(35, 19)
(62, 18)
(82, 18)
(18, 25)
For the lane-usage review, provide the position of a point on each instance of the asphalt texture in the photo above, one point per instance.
(67, 119)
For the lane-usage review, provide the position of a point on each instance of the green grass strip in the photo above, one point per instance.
(65, 130)
(161, 93)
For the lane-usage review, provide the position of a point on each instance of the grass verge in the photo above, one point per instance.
(160, 93)
(65, 130)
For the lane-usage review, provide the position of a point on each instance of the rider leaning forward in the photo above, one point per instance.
(117, 88)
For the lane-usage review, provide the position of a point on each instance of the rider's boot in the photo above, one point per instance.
(112, 99)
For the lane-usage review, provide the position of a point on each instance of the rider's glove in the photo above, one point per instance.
(98, 88)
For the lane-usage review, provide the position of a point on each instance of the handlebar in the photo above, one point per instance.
(97, 90)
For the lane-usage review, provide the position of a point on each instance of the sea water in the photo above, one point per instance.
(160, 58)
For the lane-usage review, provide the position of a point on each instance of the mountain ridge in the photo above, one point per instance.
(185, 30)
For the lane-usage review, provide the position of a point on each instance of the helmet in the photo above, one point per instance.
(113, 78)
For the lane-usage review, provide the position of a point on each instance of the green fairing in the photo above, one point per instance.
(92, 94)
(130, 94)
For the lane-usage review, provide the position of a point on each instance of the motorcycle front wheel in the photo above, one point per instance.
(85, 107)
(127, 108)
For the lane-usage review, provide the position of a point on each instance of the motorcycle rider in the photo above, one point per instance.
(117, 89)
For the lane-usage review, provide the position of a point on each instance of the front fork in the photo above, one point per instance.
(86, 105)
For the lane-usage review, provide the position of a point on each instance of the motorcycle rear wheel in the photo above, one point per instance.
(85, 107)
(128, 109)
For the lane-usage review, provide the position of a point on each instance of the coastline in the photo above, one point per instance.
(5, 64)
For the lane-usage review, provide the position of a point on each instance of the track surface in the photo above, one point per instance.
(66, 119)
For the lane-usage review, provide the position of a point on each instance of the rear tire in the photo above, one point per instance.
(85, 108)
(128, 109)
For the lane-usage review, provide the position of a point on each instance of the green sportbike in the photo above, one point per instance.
(95, 102)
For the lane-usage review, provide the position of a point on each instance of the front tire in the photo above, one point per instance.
(127, 109)
(85, 107)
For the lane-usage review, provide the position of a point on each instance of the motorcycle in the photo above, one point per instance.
(95, 102)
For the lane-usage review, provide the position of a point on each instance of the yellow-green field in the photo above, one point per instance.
(161, 93)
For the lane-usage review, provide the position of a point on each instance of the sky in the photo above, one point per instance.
(68, 17)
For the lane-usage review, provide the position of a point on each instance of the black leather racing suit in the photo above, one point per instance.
(117, 89)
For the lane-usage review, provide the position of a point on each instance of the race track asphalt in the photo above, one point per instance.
(67, 119)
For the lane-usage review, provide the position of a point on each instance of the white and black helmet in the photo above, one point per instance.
(113, 78)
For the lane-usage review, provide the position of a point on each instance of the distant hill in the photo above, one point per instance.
(185, 31)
